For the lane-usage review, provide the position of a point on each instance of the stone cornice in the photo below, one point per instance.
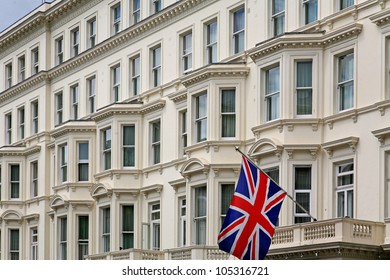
(23, 86)
(382, 18)
(178, 96)
(128, 109)
(305, 40)
(215, 71)
(350, 142)
(381, 134)
(19, 151)
(73, 127)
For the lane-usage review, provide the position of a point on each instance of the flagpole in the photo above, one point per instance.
(287, 194)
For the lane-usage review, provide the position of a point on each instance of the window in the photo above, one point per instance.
(34, 61)
(310, 10)
(116, 82)
(278, 16)
(83, 161)
(183, 131)
(344, 189)
(127, 226)
(228, 113)
(302, 191)
(212, 42)
(75, 42)
(156, 66)
(200, 215)
(105, 229)
(0, 197)
(345, 4)
(59, 48)
(155, 225)
(15, 181)
(135, 70)
(136, 11)
(156, 6)
(83, 236)
(34, 117)
(14, 244)
(34, 243)
(8, 75)
(201, 117)
(91, 29)
(387, 183)
(106, 147)
(75, 101)
(34, 179)
(21, 68)
(227, 192)
(128, 145)
(91, 88)
(272, 93)
(63, 163)
(116, 19)
(21, 124)
(182, 222)
(59, 108)
(186, 52)
(155, 142)
(345, 82)
(304, 90)
(8, 128)
(63, 238)
(238, 30)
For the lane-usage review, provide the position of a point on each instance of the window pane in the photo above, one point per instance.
(83, 151)
(302, 178)
(83, 227)
(273, 78)
(226, 197)
(304, 200)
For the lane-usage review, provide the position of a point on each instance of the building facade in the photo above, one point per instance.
(119, 121)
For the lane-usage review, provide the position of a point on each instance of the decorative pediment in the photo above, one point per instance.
(19, 151)
(155, 188)
(311, 149)
(265, 146)
(59, 202)
(100, 190)
(194, 165)
(11, 215)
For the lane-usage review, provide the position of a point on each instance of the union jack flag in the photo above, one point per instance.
(250, 221)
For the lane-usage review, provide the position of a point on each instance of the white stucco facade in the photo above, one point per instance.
(118, 126)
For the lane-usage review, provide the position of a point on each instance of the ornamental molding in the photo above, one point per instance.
(215, 71)
(73, 127)
(36, 80)
(289, 123)
(19, 151)
(127, 109)
(178, 96)
(302, 40)
(381, 134)
(155, 188)
(350, 142)
(264, 147)
(310, 148)
(382, 18)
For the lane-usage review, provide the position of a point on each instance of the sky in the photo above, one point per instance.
(13, 10)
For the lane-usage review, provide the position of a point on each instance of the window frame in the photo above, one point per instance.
(182, 223)
(63, 160)
(125, 232)
(135, 13)
(345, 189)
(106, 150)
(82, 161)
(306, 5)
(82, 243)
(59, 96)
(34, 243)
(92, 32)
(8, 75)
(75, 96)
(34, 117)
(91, 90)
(200, 237)
(276, 16)
(341, 84)
(115, 19)
(75, 41)
(14, 251)
(183, 128)
(200, 121)
(299, 215)
(63, 238)
(268, 95)
(59, 50)
(186, 51)
(8, 128)
(15, 191)
(223, 115)
(21, 123)
(155, 6)
(128, 146)
(34, 178)
(105, 229)
(34, 61)
(155, 141)
(21, 68)
(156, 66)
(238, 36)
(302, 88)
(211, 46)
(155, 226)
(115, 83)
(135, 75)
